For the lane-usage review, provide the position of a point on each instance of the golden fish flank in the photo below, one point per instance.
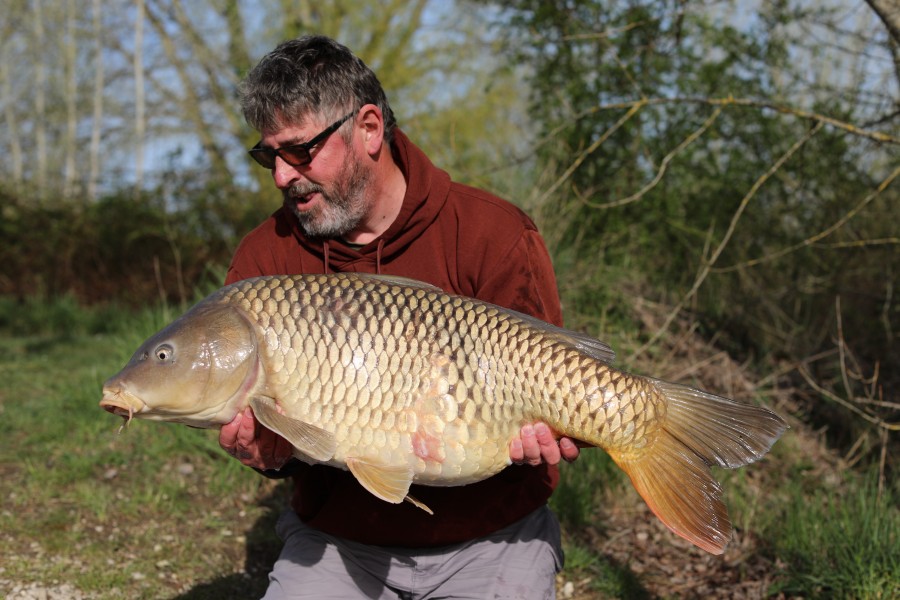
(401, 383)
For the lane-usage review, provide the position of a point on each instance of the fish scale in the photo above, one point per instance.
(402, 383)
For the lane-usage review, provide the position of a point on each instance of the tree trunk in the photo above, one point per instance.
(70, 58)
(139, 98)
(97, 121)
(40, 102)
(889, 13)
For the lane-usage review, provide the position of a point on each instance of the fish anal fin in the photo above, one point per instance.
(312, 441)
(678, 487)
(388, 482)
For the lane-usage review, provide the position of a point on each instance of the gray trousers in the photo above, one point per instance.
(519, 561)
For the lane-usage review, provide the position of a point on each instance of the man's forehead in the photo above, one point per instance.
(300, 119)
(296, 130)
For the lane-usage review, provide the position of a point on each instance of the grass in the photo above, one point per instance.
(158, 511)
(847, 547)
(152, 512)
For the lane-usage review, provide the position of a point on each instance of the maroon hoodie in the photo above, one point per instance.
(464, 241)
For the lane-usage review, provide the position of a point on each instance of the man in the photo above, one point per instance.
(359, 196)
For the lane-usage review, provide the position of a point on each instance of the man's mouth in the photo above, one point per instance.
(301, 198)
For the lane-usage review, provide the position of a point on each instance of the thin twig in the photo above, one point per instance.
(741, 102)
(588, 151)
(882, 462)
(664, 164)
(891, 241)
(821, 235)
(848, 405)
(851, 453)
(842, 359)
(773, 377)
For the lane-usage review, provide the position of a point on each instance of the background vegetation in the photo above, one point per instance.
(716, 181)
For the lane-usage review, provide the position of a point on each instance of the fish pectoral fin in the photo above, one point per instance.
(390, 483)
(312, 441)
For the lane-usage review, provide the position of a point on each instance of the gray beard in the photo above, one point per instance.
(345, 203)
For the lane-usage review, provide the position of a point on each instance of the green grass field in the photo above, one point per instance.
(158, 510)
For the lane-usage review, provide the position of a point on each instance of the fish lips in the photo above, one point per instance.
(121, 403)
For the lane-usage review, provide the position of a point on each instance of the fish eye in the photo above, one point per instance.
(164, 352)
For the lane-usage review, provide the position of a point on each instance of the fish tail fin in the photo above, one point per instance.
(673, 475)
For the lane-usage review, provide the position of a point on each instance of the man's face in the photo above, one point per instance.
(328, 195)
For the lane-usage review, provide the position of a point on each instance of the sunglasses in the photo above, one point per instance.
(296, 155)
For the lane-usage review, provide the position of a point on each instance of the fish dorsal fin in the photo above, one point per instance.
(404, 282)
(581, 341)
(312, 441)
(388, 482)
(591, 346)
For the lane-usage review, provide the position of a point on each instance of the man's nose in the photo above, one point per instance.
(284, 174)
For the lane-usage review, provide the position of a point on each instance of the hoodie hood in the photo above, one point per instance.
(427, 188)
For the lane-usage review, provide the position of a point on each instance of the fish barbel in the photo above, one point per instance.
(402, 383)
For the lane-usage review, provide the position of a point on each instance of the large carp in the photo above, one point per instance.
(402, 383)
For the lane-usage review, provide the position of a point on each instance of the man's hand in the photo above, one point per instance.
(536, 445)
(252, 444)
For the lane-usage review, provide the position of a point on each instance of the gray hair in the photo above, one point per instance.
(310, 76)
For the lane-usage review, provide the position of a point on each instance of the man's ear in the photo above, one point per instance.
(371, 121)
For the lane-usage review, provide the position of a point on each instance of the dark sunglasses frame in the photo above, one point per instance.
(296, 155)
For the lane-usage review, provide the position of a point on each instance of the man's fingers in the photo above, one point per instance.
(516, 453)
(530, 446)
(537, 444)
(568, 449)
(548, 448)
(228, 434)
(254, 445)
(246, 435)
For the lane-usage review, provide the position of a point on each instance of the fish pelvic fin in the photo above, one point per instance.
(419, 504)
(673, 475)
(312, 441)
(388, 482)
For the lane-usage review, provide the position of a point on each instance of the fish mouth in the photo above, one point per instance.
(121, 403)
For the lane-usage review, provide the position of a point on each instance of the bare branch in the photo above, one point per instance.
(822, 234)
(662, 168)
(878, 136)
(632, 110)
(889, 13)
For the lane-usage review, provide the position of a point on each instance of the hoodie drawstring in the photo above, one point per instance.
(378, 256)
(325, 251)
